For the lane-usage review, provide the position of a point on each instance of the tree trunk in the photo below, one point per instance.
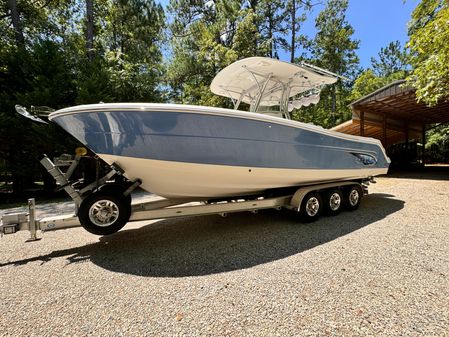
(293, 47)
(270, 29)
(90, 29)
(114, 33)
(15, 18)
(333, 102)
(253, 4)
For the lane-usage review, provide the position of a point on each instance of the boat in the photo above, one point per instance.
(201, 153)
(248, 158)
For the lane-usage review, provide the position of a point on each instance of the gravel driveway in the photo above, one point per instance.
(380, 271)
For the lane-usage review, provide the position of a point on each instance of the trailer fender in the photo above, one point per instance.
(296, 200)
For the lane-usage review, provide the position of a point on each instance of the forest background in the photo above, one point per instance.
(60, 53)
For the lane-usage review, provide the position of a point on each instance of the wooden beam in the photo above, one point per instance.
(368, 121)
(384, 130)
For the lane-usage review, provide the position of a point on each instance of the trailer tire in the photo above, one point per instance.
(333, 201)
(311, 207)
(104, 213)
(353, 197)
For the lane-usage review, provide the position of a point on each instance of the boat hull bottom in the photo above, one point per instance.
(173, 180)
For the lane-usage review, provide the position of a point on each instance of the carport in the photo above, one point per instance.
(392, 115)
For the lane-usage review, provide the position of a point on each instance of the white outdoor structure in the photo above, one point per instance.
(264, 82)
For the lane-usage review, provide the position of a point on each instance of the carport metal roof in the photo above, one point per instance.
(392, 115)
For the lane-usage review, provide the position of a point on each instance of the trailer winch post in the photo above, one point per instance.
(72, 167)
(32, 225)
(61, 179)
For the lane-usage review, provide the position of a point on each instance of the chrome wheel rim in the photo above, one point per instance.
(312, 206)
(334, 201)
(354, 197)
(103, 213)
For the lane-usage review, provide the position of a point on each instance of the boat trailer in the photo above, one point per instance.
(306, 200)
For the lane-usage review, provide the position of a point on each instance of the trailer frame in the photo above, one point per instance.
(161, 208)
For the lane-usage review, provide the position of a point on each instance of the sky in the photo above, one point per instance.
(376, 23)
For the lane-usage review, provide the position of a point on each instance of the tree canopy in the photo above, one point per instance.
(390, 65)
(62, 53)
(334, 49)
(428, 44)
(429, 48)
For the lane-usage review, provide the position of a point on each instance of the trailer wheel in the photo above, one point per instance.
(333, 200)
(104, 213)
(311, 207)
(353, 197)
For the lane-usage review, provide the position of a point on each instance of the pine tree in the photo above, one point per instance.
(295, 14)
(391, 59)
(334, 49)
(271, 27)
(208, 36)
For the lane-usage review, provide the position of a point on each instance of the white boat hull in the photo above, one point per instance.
(172, 179)
(202, 152)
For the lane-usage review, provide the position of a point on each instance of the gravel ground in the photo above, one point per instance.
(380, 271)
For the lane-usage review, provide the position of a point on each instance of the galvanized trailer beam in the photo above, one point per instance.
(164, 209)
(158, 209)
(218, 208)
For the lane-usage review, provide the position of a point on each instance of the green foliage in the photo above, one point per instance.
(133, 56)
(295, 15)
(429, 36)
(391, 59)
(270, 22)
(52, 82)
(30, 77)
(437, 144)
(93, 82)
(245, 43)
(391, 65)
(206, 37)
(44, 60)
(334, 49)
(368, 82)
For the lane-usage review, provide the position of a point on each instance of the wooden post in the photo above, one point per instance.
(406, 142)
(362, 123)
(423, 154)
(384, 130)
(406, 134)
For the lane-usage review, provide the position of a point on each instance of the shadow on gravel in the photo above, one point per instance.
(429, 172)
(211, 244)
